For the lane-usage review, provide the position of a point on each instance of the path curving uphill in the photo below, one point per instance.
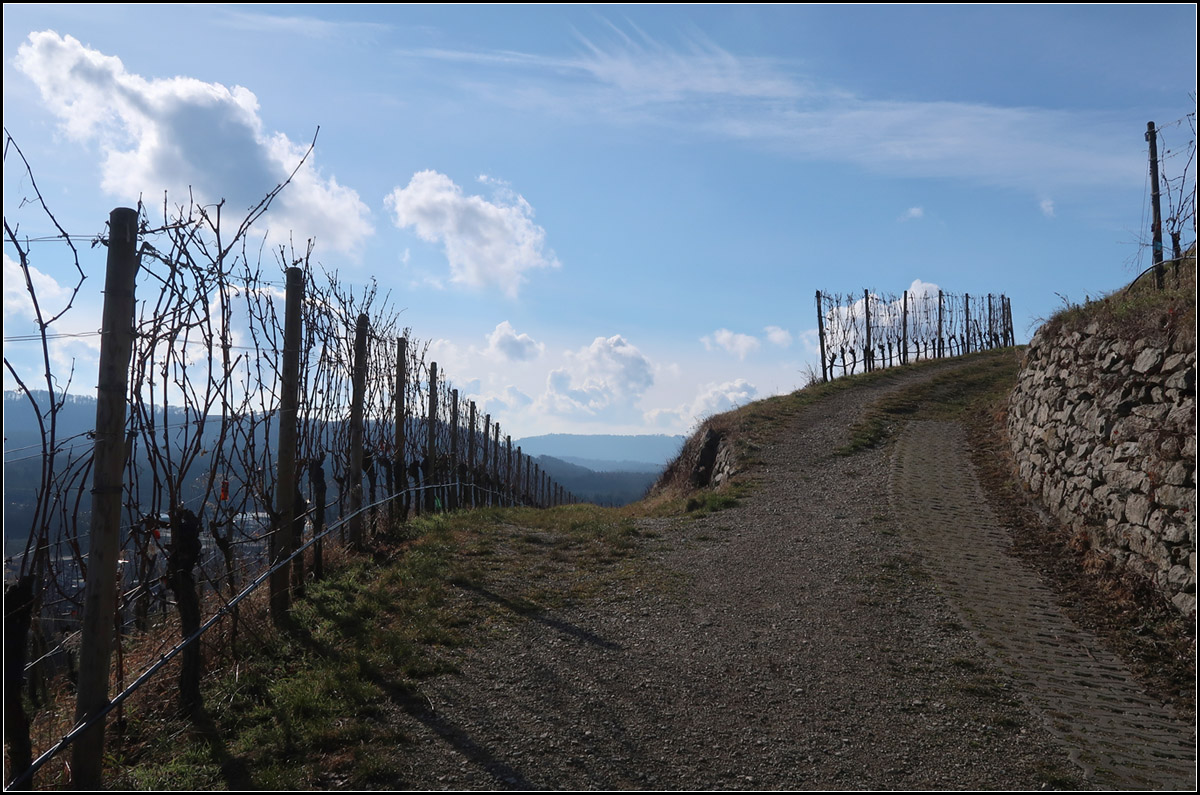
(818, 635)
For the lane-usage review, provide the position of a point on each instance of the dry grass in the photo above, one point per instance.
(1139, 311)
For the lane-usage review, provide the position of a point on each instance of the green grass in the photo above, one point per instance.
(981, 380)
(316, 705)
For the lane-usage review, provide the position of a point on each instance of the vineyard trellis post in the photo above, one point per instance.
(431, 440)
(455, 483)
(471, 451)
(355, 469)
(289, 415)
(401, 470)
(496, 464)
(904, 331)
(941, 340)
(1156, 206)
(483, 464)
(100, 590)
(867, 357)
(821, 336)
(967, 322)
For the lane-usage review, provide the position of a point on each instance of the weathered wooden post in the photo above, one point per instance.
(401, 411)
(904, 332)
(1155, 208)
(285, 482)
(100, 591)
(508, 469)
(821, 337)
(355, 470)
(967, 314)
(483, 464)
(471, 455)
(431, 440)
(941, 345)
(455, 485)
(496, 465)
(868, 357)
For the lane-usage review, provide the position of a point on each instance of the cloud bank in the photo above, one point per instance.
(180, 134)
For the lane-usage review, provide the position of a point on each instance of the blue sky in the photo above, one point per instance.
(613, 219)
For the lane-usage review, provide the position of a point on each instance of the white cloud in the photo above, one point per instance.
(778, 336)
(913, 214)
(487, 244)
(1047, 207)
(738, 344)
(504, 342)
(710, 399)
(604, 379)
(51, 295)
(919, 288)
(180, 134)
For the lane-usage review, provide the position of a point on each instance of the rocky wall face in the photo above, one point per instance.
(1104, 432)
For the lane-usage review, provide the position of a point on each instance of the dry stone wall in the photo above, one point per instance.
(1104, 432)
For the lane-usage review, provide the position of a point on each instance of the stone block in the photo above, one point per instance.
(1149, 359)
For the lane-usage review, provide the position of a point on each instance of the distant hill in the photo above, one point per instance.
(601, 488)
(606, 452)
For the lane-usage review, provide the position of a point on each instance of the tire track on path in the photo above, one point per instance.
(1121, 736)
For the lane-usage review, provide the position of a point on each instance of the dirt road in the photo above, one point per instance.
(854, 623)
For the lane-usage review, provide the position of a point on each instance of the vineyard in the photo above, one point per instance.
(248, 415)
(884, 330)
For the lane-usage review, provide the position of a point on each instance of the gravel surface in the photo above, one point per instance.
(804, 639)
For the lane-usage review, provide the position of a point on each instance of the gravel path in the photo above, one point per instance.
(811, 642)
(1117, 734)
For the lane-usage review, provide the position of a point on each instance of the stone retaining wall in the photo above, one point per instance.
(1104, 432)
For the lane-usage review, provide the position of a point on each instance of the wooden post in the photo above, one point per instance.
(431, 438)
(471, 454)
(454, 479)
(354, 471)
(528, 488)
(821, 337)
(508, 469)
(967, 313)
(401, 409)
(941, 345)
(1155, 206)
(904, 332)
(867, 357)
(285, 474)
(496, 465)
(100, 591)
(483, 463)
(991, 331)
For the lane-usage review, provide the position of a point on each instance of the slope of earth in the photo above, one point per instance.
(806, 641)
(846, 615)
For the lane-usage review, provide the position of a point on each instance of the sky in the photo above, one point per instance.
(610, 219)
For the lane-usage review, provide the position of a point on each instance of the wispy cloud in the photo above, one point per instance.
(626, 76)
(487, 243)
(740, 345)
(181, 134)
(913, 214)
(1047, 207)
(778, 336)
